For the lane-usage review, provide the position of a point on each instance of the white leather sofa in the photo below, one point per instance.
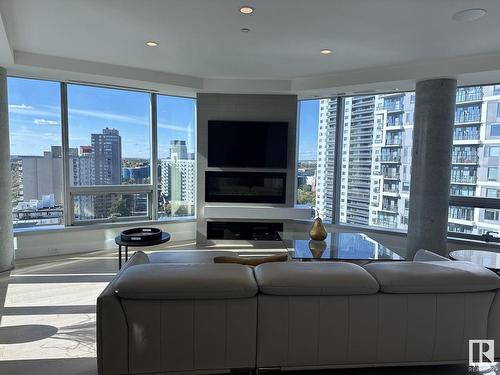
(180, 313)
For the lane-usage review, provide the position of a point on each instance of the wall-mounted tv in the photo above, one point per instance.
(247, 144)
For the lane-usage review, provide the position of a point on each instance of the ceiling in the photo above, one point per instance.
(376, 44)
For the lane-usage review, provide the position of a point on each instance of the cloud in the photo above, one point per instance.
(42, 121)
(186, 129)
(28, 110)
(108, 116)
(21, 107)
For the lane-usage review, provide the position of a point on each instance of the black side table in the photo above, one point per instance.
(165, 237)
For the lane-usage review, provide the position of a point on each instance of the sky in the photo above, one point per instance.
(35, 118)
(308, 129)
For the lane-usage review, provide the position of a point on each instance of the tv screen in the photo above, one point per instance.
(247, 144)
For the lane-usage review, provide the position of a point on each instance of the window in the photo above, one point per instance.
(107, 158)
(109, 144)
(495, 130)
(308, 150)
(375, 128)
(376, 160)
(492, 173)
(490, 215)
(492, 193)
(474, 185)
(112, 205)
(494, 151)
(109, 136)
(176, 151)
(36, 154)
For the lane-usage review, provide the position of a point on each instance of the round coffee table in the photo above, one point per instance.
(165, 237)
(488, 259)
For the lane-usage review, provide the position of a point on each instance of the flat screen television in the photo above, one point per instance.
(247, 144)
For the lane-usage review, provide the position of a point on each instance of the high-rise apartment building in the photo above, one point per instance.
(356, 159)
(42, 175)
(178, 177)
(376, 159)
(326, 157)
(178, 149)
(107, 157)
(82, 174)
(97, 164)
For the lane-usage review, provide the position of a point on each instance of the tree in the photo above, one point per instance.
(306, 197)
(120, 207)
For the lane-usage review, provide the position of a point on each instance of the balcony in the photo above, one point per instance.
(394, 142)
(466, 136)
(466, 118)
(391, 175)
(464, 179)
(386, 223)
(465, 159)
(390, 208)
(390, 159)
(464, 95)
(391, 190)
(391, 106)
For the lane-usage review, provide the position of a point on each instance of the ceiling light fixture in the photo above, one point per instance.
(245, 30)
(152, 43)
(326, 51)
(469, 14)
(246, 10)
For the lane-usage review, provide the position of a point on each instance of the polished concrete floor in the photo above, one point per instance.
(47, 318)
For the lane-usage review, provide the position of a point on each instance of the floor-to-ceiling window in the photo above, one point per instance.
(82, 154)
(308, 153)
(375, 153)
(176, 156)
(36, 153)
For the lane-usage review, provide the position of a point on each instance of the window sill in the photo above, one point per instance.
(61, 228)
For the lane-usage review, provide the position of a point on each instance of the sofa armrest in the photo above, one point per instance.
(428, 256)
(112, 330)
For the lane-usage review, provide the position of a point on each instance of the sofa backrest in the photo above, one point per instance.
(314, 278)
(432, 277)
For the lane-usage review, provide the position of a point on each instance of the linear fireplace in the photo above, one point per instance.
(245, 187)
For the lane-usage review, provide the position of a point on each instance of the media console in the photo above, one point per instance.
(247, 231)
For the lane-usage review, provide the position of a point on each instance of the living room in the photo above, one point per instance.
(195, 187)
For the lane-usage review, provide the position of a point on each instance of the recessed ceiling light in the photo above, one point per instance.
(246, 10)
(469, 14)
(152, 43)
(245, 30)
(326, 51)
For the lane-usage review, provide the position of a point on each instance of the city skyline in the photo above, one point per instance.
(35, 105)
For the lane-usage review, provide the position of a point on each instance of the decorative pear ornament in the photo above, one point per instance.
(317, 248)
(317, 231)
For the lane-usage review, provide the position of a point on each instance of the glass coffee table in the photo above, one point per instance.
(488, 259)
(351, 247)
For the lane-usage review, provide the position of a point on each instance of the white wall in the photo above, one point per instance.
(79, 239)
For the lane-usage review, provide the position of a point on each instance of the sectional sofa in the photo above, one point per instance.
(178, 312)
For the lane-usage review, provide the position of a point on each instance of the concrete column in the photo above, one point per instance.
(431, 165)
(6, 234)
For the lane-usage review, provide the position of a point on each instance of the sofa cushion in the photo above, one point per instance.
(433, 277)
(187, 256)
(315, 278)
(186, 281)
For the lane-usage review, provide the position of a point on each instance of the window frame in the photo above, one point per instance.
(151, 191)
